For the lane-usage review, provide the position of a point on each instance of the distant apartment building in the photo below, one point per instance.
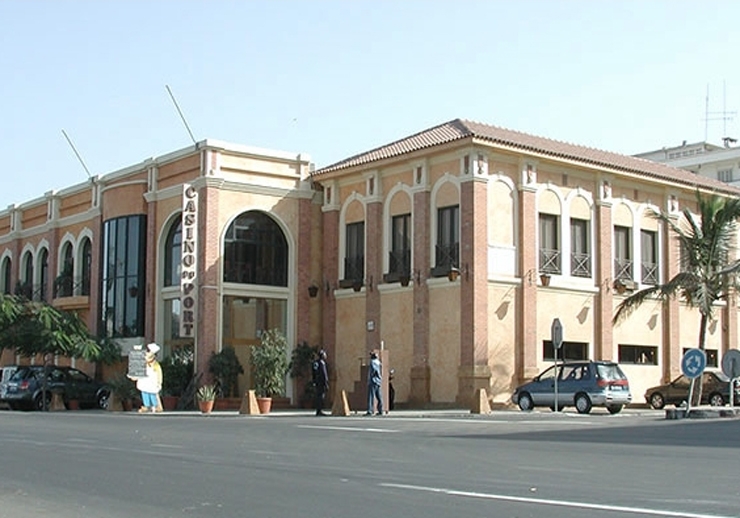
(702, 158)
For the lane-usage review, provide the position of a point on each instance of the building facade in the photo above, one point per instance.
(452, 250)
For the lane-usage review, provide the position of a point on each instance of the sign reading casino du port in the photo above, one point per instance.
(189, 262)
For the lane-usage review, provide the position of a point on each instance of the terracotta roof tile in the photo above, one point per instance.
(459, 129)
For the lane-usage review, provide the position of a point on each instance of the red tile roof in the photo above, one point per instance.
(459, 129)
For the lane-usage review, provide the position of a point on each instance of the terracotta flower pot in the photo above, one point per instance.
(206, 407)
(264, 404)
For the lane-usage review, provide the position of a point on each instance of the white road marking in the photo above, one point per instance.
(347, 429)
(559, 503)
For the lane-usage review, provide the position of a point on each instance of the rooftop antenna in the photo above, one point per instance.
(69, 141)
(723, 115)
(174, 101)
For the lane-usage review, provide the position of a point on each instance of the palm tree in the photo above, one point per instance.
(708, 274)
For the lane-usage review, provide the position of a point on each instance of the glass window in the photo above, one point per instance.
(622, 253)
(255, 251)
(638, 354)
(568, 351)
(649, 251)
(354, 255)
(7, 273)
(86, 266)
(711, 356)
(400, 255)
(43, 276)
(447, 251)
(580, 255)
(173, 254)
(549, 243)
(124, 260)
(64, 284)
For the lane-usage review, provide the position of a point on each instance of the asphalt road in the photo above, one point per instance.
(510, 464)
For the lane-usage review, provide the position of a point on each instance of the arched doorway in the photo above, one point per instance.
(255, 285)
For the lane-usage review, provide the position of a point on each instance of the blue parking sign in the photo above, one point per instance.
(693, 363)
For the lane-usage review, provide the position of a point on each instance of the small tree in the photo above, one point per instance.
(708, 274)
(270, 362)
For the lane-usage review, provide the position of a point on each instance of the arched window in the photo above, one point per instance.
(25, 284)
(44, 274)
(255, 251)
(86, 266)
(64, 284)
(173, 254)
(7, 271)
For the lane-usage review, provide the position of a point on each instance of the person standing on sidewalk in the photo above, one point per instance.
(374, 380)
(320, 382)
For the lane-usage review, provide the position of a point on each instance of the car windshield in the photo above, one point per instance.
(610, 371)
(20, 374)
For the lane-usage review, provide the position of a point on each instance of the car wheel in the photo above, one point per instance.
(525, 402)
(103, 400)
(716, 399)
(614, 409)
(657, 401)
(38, 403)
(583, 403)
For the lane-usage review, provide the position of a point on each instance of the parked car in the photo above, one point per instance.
(715, 391)
(583, 384)
(5, 374)
(25, 387)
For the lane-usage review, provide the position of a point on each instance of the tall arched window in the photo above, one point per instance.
(64, 283)
(86, 266)
(7, 272)
(173, 254)
(25, 285)
(255, 251)
(44, 274)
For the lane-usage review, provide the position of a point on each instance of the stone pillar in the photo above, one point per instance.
(330, 277)
(304, 262)
(671, 348)
(373, 270)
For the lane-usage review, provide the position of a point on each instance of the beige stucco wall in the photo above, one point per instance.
(397, 313)
(444, 340)
(503, 303)
(350, 350)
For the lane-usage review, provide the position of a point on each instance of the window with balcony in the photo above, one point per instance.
(550, 244)
(622, 253)
(354, 254)
(649, 252)
(399, 260)
(580, 254)
(64, 283)
(447, 247)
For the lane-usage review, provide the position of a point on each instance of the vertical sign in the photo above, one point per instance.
(189, 262)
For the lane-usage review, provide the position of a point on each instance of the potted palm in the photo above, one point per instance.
(270, 363)
(206, 398)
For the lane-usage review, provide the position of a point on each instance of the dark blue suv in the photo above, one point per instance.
(25, 388)
(583, 384)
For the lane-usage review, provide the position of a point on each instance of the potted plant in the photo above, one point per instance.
(270, 363)
(123, 392)
(225, 367)
(206, 398)
(300, 370)
(177, 371)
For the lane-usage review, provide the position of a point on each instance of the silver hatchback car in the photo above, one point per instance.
(583, 384)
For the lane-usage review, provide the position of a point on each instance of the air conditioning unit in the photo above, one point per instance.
(622, 285)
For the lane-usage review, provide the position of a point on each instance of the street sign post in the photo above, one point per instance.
(556, 336)
(731, 368)
(693, 363)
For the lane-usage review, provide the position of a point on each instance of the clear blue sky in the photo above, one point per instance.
(334, 78)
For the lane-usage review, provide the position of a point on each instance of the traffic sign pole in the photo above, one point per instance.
(556, 335)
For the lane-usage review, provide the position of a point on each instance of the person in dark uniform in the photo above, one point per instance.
(320, 382)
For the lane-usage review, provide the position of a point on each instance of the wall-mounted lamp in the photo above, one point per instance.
(404, 279)
(313, 290)
(454, 273)
(530, 276)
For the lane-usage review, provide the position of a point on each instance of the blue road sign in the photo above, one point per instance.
(693, 363)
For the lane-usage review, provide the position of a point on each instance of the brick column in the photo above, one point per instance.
(303, 262)
(330, 278)
(96, 266)
(474, 371)
(373, 271)
(526, 359)
(209, 318)
(150, 293)
(420, 391)
(671, 349)
(604, 336)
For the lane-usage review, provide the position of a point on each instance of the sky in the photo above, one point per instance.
(333, 78)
